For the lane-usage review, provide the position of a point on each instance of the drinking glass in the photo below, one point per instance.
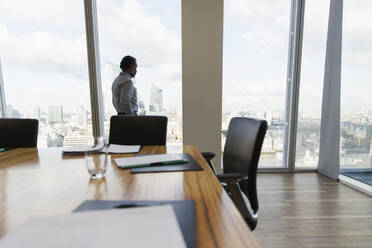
(96, 163)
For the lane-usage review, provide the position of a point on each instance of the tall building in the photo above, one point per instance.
(81, 116)
(156, 99)
(35, 112)
(2, 94)
(55, 114)
(109, 72)
(9, 111)
(12, 113)
(141, 107)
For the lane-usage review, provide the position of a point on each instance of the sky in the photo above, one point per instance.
(43, 52)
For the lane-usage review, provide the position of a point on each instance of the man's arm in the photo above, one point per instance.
(126, 92)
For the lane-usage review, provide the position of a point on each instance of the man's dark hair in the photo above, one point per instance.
(127, 62)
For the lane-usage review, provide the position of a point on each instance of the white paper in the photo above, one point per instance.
(81, 149)
(155, 226)
(112, 148)
(146, 159)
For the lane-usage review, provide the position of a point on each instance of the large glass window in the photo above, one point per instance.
(356, 100)
(44, 62)
(311, 85)
(255, 69)
(151, 32)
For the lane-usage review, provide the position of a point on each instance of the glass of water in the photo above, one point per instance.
(97, 162)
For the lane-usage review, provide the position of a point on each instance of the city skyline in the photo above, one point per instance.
(68, 129)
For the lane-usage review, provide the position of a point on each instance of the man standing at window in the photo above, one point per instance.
(124, 94)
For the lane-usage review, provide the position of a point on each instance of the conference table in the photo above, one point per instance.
(38, 182)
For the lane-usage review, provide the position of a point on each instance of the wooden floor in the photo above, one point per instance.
(310, 210)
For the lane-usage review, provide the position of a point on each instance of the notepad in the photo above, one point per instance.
(113, 148)
(149, 160)
(184, 210)
(154, 226)
(81, 149)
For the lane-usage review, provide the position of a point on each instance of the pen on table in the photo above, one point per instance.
(126, 206)
(170, 162)
(133, 205)
(183, 161)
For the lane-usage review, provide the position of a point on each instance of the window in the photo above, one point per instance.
(311, 85)
(356, 101)
(151, 32)
(255, 69)
(44, 62)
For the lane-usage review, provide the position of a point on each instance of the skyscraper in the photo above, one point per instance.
(9, 111)
(35, 112)
(141, 107)
(2, 94)
(81, 116)
(55, 114)
(109, 72)
(156, 99)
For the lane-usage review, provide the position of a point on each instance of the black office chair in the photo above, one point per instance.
(240, 160)
(138, 130)
(16, 133)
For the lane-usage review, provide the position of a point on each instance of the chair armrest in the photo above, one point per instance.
(231, 177)
(208, 155)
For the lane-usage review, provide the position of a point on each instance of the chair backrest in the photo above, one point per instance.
(243, 145)
(138, 130)
(18, 132)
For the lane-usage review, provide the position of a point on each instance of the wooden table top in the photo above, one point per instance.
(36, 182)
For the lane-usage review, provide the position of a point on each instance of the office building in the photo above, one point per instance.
(35, 113)
(55, 114)
(156, 99)
(12, 113)
(81, 116)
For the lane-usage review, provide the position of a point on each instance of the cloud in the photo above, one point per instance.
(258, 13)
(357, 34)
(254, 95)
(39, 36)
(47, 39)
(42, 13)
(266, 39)
(172, 71)
(262, 26)
(125, 28)
(44, 51)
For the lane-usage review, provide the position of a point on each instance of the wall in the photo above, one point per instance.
(202, 36)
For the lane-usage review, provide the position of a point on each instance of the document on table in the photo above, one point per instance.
(154, 226)
(80, 149)
(113, 148)
(147, 160)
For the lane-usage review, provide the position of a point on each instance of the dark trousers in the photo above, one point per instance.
(135, 113)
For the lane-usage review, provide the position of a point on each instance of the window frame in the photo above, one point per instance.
(2, 94)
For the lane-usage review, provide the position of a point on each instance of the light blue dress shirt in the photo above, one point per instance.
(124, 94)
